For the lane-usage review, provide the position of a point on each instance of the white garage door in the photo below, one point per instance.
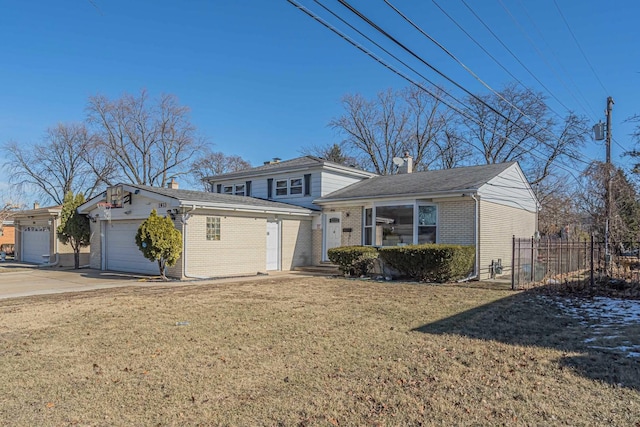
(35, 243)
(121, 251)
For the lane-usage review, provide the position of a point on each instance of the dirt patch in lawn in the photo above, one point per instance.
(307, 351)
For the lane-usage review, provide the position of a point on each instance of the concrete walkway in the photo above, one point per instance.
(20, 279)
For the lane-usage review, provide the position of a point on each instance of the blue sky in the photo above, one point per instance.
(263, 79)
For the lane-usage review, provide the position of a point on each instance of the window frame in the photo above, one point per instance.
(289, 187)
(369, 230)
(213, 228)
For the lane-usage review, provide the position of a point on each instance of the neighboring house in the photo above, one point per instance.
(223, 235)
(7, 236)
(286, 214)
(36, 239)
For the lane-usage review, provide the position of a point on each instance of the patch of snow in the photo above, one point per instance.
(605, 317)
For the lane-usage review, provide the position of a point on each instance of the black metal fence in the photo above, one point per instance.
(561, 261)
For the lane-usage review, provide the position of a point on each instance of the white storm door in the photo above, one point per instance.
(332, 232)
(273, 245)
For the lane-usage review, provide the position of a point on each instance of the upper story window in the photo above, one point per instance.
(237, 189)
(291, 186)
(295, 186)
(281, 187)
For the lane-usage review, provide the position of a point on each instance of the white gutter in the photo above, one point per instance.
(476, 269)
(391, 197)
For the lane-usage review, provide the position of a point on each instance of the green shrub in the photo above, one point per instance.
(354, 260)
(430, 262)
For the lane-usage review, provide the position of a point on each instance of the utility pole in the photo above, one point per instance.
(607, 201)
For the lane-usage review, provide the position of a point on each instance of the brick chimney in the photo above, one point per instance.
(407, 167)
(173, 184)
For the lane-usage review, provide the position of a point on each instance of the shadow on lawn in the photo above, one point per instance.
(526, 320)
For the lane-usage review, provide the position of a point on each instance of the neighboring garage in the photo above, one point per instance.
(122, 252)
(36, 242)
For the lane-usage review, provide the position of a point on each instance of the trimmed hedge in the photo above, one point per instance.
(353, 260)
(430, 262)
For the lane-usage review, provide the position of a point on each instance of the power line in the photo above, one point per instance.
(413, 82)
(540, 54)
(514, 55)
(412, 53)
(450, 54)
(553, 53)
(575, 39)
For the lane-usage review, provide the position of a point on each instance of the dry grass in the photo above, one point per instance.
(306, 351)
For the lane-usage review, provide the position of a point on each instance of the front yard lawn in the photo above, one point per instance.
(308, 351)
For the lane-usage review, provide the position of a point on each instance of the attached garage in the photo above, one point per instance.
(222, 234)
(35, 244)
(121, 251)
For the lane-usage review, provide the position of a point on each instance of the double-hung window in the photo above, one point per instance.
(237, 189)
(295, 186)
(289, 187)
(281, 187)
(427, 221)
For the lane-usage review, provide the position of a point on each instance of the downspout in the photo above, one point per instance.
(185, 216)
(475, 273)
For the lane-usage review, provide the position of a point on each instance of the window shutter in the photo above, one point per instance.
(247, 188)
(270, 188)
(219, 188)
(307, 184)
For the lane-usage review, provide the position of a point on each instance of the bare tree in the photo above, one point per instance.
(216, 163)
(149, 141)
(625, 207)
(332, 152)
(409, 120)
(516, 125)
(56, 166)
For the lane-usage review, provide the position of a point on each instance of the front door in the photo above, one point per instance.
(332, 232)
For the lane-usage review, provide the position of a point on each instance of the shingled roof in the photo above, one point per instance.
(425, 183)
(303, 162)
(207, 197)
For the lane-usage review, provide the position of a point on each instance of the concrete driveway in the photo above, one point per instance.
(20, 279)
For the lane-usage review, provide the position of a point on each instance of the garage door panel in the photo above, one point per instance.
(121, 251)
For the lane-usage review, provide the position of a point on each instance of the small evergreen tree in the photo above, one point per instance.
(74, 229)
(159, 240)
